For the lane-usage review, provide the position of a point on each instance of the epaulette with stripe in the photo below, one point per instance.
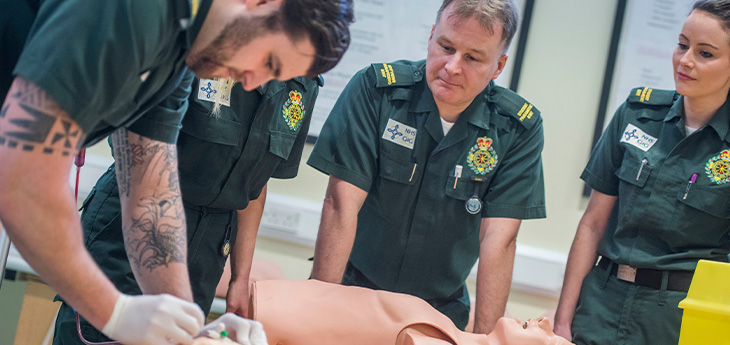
(512, 104)
(396, 74)
(651, 96)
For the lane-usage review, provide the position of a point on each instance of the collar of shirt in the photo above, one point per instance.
(720, 122)
(477, 113)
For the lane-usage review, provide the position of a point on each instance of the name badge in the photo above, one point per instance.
(634, 136)
(400, 134)
(210, 90)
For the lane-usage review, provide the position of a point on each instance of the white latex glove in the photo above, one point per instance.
(243, 331)
(154, 320)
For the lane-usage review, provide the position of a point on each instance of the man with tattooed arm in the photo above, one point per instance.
(73, 72)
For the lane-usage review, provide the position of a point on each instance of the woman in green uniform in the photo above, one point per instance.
(660, 197)
(226, 158)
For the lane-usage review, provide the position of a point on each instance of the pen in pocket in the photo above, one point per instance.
(692, 180)
(457, 174)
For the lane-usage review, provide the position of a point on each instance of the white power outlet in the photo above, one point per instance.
(279, 218)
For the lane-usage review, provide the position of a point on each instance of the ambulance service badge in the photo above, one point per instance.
(718, 167)
(293, 111)
(482, 157)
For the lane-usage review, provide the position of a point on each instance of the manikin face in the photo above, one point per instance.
(702, 58)
(462, 58)
(243, 51)
(536, 332)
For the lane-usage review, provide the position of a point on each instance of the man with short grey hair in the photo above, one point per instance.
(432, 166)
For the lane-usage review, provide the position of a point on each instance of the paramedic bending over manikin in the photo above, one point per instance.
(65, 88)
(312, 312)
(669, 193)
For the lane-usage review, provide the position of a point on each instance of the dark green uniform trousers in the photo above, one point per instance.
(456, 306)
(207, 231)
(615, 312)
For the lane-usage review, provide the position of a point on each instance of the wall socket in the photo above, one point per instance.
(279, 218)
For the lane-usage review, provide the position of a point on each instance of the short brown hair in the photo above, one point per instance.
(486, 12)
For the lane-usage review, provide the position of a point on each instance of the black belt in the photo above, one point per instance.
(677, 281)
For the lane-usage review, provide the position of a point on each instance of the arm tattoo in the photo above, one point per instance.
(120, 146)
(157, 161)
(163, 239)
(158, 236)
(30, 119)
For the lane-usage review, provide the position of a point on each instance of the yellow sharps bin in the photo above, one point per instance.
(706, 317)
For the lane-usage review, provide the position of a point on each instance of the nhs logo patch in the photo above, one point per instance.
(209, 90)
(635, 136)
(400, 134)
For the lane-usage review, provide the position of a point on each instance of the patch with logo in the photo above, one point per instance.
(482, 157)
(634, 136)
(209, 90)
(400, 134)
(293, 110)
(718, 168)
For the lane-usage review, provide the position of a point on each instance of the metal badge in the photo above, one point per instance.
(473, 205)
(226, 249)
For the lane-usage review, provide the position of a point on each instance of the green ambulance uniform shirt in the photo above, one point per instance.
(109, 62)
(384, 135)
(645, 158)
(226, 159)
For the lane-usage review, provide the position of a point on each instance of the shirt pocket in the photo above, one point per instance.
(397, 170)
(281, 143)
(463, 189)
(702, 219)
(710, 201)
(634, 171)
(212, 129)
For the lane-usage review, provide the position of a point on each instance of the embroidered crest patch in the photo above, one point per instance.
(293, 111)
(209, 90)
(400, 133)
(718, 168)
(482, 157)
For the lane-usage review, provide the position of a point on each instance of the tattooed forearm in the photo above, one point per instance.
(31, 120)
(153, 162)
(158, 236)
(154, 219)
(120, 146)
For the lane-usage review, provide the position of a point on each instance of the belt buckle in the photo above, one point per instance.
(626, 273)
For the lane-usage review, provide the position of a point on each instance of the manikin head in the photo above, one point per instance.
(467, 49)
(254, 41)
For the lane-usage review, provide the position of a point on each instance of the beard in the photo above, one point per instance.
(235, 35)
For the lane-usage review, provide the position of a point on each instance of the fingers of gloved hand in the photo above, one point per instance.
(257, 336)
(190, 318)
(244, 331)
(171, 336)
(156, 319)
(249, 332)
